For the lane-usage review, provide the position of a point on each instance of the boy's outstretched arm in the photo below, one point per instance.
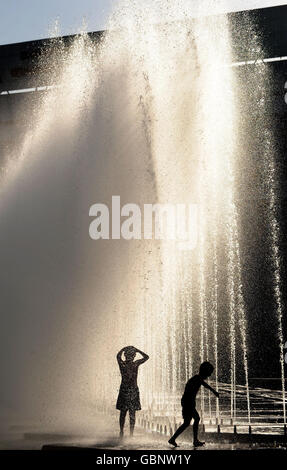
(210, 388)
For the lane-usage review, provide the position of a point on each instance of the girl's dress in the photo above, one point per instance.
(129, 396)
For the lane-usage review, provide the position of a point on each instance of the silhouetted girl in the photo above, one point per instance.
(129, 397)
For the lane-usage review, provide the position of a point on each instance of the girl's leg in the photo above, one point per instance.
(132, 421)
(122, 421)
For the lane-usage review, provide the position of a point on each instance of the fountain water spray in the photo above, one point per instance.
(150, 113)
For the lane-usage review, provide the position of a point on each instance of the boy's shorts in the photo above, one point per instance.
(189, 412)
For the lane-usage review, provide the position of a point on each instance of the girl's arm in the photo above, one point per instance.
(145, 357)
(119, 355)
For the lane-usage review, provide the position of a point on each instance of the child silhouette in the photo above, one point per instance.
(188, 403)
(129, 397)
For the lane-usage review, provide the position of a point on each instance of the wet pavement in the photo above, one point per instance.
(102, 433)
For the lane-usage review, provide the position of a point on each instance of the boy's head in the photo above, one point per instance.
(206, 369)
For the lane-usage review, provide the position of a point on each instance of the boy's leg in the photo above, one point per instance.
(181, 428)
(132, 421)
(196, 418)
(122, 421)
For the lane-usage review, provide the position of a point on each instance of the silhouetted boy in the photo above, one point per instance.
(188, 403)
